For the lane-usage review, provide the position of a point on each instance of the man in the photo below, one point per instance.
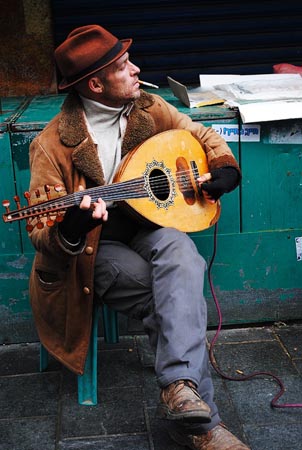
(99, 253)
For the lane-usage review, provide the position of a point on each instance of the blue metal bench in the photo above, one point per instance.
(87, 383)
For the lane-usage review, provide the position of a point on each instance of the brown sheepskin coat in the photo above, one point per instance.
(61, 283)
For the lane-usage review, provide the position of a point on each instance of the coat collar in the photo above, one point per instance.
(74, 134)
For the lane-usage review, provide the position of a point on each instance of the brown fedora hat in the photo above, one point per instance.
(86, 50)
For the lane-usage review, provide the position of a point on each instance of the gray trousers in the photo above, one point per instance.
(159, 278)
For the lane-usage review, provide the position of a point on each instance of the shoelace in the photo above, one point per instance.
(179, 385)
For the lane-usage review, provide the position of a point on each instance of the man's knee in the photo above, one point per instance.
(181, 244)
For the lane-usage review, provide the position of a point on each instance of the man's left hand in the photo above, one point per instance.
(217, 182)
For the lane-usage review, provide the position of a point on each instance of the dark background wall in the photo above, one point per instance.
(26, 48)
(171, 37)
(184, 38)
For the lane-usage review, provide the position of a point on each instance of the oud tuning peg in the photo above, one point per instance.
(47, 191)
(6, 204)
(37, 193)
(39, 224)
(59, 217)
(29, 227)
(50, 222)
(27, 197)
(58, 187)
(17, 200)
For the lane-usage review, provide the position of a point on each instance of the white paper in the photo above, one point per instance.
(262, 90)
(259, 98)
(270, 110)
(211, 81)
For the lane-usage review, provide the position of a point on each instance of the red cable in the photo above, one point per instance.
(274, 403)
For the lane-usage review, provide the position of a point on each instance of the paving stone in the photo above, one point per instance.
(12, 363)
(239, 335)
(159, 432)
(298, 365)
(226, 407)
(125, 342)
(119, 368)
(253, 400)
(291, 338)
(118, 411)
(275, 437)
(29, 395)
(28, 434)
(41, 411)
(150, 387)
(127, 442)
(250, 357)
(145, 352)
(23, 358)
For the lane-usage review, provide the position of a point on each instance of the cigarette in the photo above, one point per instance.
(148, 84)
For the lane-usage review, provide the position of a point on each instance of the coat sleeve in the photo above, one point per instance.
(218, 153)
(45, 172)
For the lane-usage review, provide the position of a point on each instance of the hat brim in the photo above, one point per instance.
(64, 83)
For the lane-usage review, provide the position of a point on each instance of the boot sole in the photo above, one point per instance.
(180, 439)
(164, 412)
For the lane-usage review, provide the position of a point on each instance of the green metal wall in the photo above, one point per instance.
(16, 319)
(256, 271)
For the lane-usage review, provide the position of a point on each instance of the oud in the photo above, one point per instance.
(156, 182)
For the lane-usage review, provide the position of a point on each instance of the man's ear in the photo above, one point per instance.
(95, 85)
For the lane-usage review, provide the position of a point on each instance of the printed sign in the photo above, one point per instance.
(231, 133)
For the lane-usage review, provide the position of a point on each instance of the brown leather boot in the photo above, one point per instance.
(181, 401)
(219, 438)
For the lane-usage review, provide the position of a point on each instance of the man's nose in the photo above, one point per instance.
(134, 69)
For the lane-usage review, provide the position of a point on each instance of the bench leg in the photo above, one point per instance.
(110, 323)
(87, 383)
(43, 358)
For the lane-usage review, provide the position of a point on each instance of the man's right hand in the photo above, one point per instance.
(79, 220)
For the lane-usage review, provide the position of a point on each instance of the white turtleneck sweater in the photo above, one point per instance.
(107, 126)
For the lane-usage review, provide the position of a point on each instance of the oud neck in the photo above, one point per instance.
(109, 193)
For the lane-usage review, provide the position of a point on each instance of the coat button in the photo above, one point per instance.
(86, 290)
(89, 250)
